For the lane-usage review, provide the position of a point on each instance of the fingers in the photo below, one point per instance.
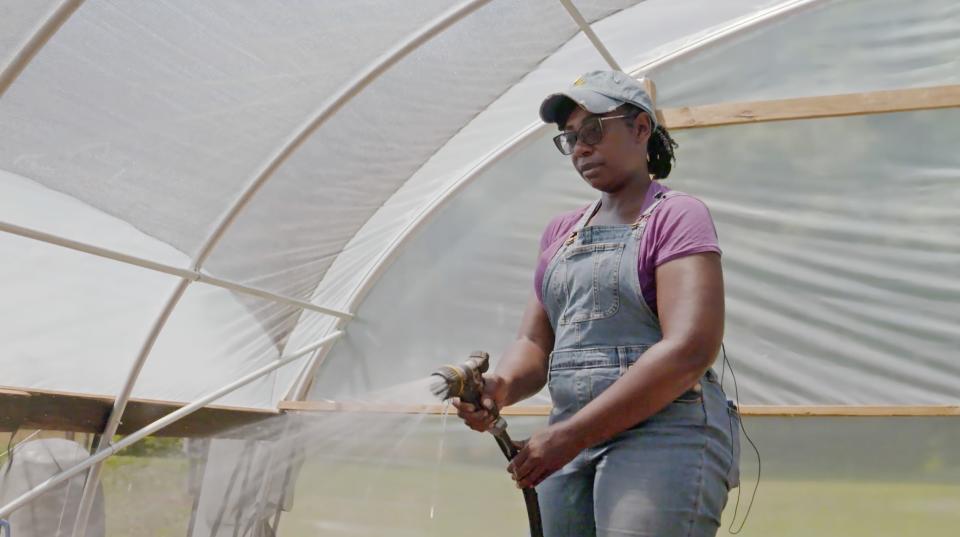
(478, 419)
(521, 467)
(518, 461)
(462, 405)
(529, 475)
(528, 469)
(534, 478)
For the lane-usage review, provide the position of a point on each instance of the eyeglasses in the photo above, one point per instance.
(590, 133)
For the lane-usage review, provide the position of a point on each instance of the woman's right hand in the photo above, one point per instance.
(492, 400)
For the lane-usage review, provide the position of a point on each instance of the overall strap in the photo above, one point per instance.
(641, 223)
(591, 210)
(587, 214)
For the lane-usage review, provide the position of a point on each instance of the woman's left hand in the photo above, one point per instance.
(543, 454)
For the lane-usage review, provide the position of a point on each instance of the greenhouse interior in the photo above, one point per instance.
(240, 236)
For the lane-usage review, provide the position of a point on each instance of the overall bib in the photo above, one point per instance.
(667, 476)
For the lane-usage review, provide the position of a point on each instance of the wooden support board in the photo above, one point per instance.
(875, 102)
(64, 411)
(544, 410)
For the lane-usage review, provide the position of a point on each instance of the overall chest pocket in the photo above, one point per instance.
(592, 281)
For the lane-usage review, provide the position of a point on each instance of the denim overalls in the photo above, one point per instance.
(667, 476)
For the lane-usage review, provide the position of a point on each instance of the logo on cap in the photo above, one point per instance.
(579, 82)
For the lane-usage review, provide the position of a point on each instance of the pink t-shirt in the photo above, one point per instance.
(680, 226)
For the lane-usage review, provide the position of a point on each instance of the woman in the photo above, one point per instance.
(626, 320)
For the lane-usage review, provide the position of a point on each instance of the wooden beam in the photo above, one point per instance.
(882, 411)
(544, 410)
(66, 411)
(875, 102)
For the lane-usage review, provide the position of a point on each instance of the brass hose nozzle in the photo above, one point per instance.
(464, 381)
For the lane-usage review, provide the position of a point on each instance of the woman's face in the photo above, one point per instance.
(619, 157)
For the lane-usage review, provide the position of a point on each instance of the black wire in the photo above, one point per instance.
(753, 496)
(10, 451)
(723, 370)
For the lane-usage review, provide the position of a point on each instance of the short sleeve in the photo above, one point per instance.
(551, 232)
(683, 226)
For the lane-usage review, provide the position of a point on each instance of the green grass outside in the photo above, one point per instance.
(867, 482)
(353, 500)
(147, 497)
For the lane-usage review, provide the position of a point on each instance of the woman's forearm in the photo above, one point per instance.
(523, 370)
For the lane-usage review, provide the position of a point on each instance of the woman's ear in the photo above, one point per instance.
(642, 124)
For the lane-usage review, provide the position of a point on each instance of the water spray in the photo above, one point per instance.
(466, 382)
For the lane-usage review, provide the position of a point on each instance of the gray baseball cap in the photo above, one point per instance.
(598, 92)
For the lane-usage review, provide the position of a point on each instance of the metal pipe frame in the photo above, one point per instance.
(155, 426)
(25, 55)
(759, 19)
(300, 387)
(591, 35)
(186, 274)
(267, 171)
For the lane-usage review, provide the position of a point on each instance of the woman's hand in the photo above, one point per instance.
(543, 454)
(492, 398)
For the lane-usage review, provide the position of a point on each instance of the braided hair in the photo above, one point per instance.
(660, 146)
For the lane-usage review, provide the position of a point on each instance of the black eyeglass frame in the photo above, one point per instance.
(576, 135)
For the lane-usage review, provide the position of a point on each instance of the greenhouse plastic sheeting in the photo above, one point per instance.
(302, 219)
(36, 460)
(630, 31)
(131, 108)
(136, 129)
(837, 46)
(18, 18)
(71, 321)
(418, 207)
(840, 242)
